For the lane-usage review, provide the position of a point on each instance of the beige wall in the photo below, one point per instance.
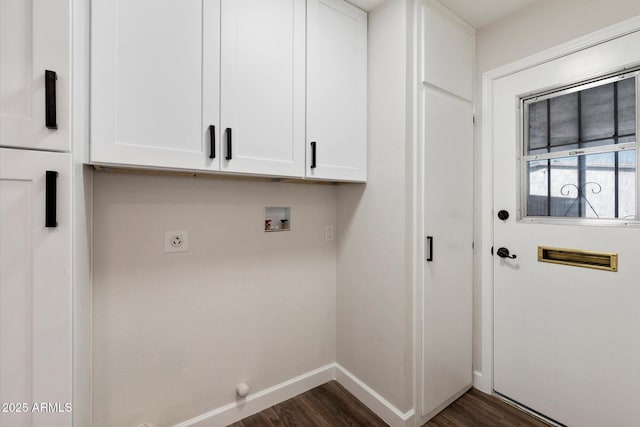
(374, 288)
(539, 26)
(174, 333)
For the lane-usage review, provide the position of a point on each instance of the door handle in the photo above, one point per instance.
(429, 248)
(229, 156)
(212, 142)
(503, 215)
(313, 155)
(51, 199)
(51, 121)
(504, 253)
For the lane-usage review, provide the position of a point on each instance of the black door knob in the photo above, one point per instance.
(504, 253)
(503, 215)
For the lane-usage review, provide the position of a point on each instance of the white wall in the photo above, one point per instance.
(174, 333)
(374, 313)
(539, 26)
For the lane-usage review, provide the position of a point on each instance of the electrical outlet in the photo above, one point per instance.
(176, 241)
(328, 234)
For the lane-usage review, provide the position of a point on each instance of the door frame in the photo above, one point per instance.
(483, 379)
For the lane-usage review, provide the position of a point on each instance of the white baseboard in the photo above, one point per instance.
(378, 404)
(480, 383)
(477, 380)
(254, 403)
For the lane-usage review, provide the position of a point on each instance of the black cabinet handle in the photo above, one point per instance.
(51, 199)
(229, 143)
(212, 142)
(429, 248)
(51, 121)
(313, 155)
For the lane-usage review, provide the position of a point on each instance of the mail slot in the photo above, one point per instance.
(579, 258)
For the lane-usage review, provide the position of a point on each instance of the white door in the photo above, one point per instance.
(34, 39)
(262, 86)
(155, 83)
(336, 91)
(567, 338)
(35, 289)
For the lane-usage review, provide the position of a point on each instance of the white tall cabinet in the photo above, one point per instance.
(35, 214)
(446, 115)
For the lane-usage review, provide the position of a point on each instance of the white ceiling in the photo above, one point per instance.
(478, 13)
(365, 4)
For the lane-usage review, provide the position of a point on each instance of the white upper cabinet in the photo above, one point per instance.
(34, 38)
(262, 86)
(155, 83)
(336, 91)
(231, 86)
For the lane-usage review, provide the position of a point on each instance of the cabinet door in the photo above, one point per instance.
(336, 91)
(35, 289)
(262, 86)
(155, 83)
(34, 37)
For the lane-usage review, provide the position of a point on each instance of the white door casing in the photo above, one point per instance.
(35, 290)
(566, 340)
(34, 37)
(263, 86)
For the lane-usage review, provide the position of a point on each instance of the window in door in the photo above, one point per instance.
(579, 156)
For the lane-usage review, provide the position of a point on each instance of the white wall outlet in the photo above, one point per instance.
(328, 234)
(176, 241)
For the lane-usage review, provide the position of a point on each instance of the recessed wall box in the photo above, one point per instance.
(277, 219)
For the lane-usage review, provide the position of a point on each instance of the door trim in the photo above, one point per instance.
(483, 379)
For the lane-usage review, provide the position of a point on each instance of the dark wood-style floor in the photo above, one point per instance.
(476, 409)
(330, 405)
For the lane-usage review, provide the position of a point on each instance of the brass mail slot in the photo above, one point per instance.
(577, 258)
